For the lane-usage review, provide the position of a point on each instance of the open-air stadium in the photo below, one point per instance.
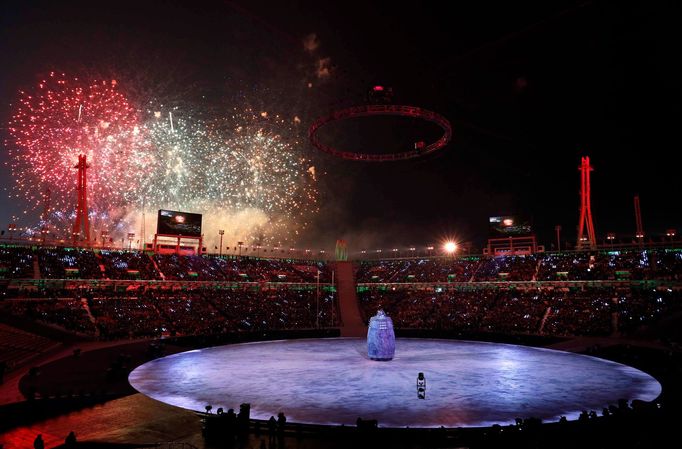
(257, 225)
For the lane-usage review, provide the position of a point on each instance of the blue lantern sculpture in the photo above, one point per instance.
(380, 337)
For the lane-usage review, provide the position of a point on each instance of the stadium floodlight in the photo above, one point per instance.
(450, 247)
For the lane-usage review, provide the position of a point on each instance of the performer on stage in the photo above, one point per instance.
(380, 337)
(421, 386)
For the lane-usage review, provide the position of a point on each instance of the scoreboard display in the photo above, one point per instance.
(178, 223)
(509, 226)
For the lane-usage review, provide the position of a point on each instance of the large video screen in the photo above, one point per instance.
(509, 226)
(171, 222)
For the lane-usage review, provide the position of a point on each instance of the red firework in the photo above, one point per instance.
(63, 118)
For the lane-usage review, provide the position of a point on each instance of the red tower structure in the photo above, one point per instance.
(586, 225)
(47, 196)
(638, 220)
(82, 223)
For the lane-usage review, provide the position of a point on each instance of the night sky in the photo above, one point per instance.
(528, 90)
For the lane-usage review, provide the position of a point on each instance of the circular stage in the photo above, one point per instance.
(332, 382)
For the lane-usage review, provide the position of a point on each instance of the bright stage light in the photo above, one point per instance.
(450, 247)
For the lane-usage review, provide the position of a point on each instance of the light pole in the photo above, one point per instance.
(317, 302)
(104, 235)
(12, 228)
(221, 232)
(557, 228)
(611, 237)
(671, 233)
(640, 238)
(131, 236)
(239, 244)
(333, 294)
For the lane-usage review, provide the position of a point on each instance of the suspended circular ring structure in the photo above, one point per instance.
(379, 110)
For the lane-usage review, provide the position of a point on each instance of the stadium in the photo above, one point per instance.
(380, 268)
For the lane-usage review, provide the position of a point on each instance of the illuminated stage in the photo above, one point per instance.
(331, 381)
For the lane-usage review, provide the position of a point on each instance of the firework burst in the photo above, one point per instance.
(245, 171)
(64, 118)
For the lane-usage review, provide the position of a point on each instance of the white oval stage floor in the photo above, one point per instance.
(331, 381)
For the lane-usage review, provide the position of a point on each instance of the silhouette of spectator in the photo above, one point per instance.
(38, 443)
(231, 417)
(70, 440)
(272, 427)
(281, 421)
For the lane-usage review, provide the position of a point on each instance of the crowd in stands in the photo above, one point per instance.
(128, 265)
(662, 264)
(16, 262)
(66, 313)
(72, 263)
(508, 268)
(550, 311)
(600, 266)
(414, 292)
(418, 270)
(242, 269)
(668, 265)
(63, 263)
(141, 312)
(584, 312)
